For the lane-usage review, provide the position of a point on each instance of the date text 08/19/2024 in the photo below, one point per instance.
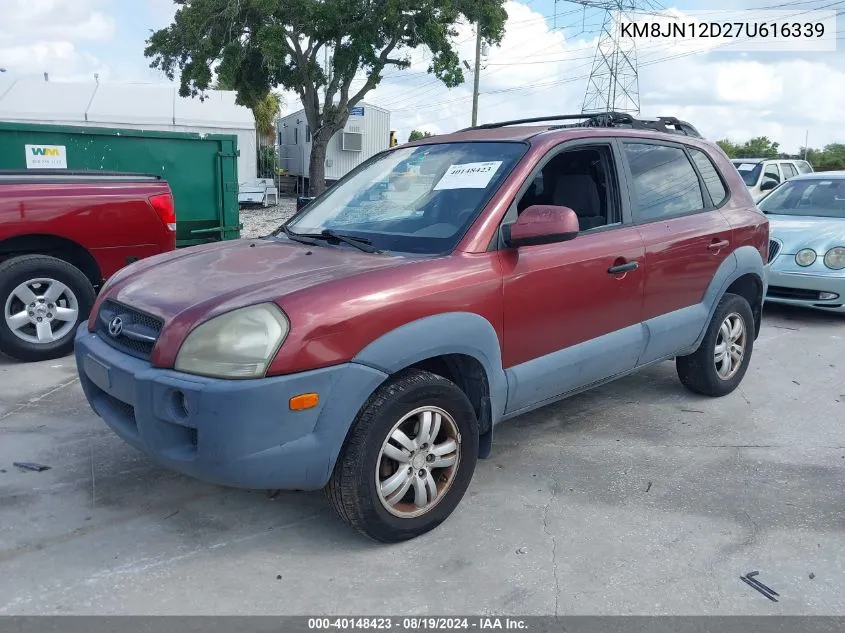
(416, 623)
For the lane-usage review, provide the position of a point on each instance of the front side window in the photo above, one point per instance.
(710, 175)
(413, 200)
(813, 197)
(665, 182)
(772, 172)
(583, 179)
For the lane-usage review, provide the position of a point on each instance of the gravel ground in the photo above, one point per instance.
(259, 222)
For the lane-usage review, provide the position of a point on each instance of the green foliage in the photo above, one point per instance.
(758, 147)
(266, 111)
(257, 45)
(831, 158)
(416, 135)
(268, 162)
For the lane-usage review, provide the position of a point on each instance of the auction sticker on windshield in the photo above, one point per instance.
(746, 167)
(468, 175)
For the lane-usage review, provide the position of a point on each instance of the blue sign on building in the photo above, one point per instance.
(356, 111)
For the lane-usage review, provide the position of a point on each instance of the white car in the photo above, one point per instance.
(761, 175)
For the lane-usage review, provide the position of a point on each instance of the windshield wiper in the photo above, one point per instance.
(361, 243)
(297, 237)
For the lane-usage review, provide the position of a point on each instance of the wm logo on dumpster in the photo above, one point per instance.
(46, 157)
(45, 151)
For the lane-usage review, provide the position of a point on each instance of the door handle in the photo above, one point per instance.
(623, 268)
(717, 246)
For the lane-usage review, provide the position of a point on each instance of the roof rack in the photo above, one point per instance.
(666, 124)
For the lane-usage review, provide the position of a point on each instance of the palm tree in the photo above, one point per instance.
(265, 111)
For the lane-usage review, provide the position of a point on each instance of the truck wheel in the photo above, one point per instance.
(408, 458)
(44, 299)
(718, 365)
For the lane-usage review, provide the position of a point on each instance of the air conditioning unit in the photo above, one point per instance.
(353, 140)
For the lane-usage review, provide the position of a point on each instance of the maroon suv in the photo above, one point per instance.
(373, 342)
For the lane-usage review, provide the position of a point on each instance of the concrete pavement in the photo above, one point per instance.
(635, 498)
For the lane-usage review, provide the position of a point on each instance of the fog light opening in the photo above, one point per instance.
(180, 405)
(827, 296)
(304, 401)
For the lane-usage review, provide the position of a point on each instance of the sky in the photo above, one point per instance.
(540, 68)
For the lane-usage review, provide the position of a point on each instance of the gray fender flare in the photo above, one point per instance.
(743, 261)
(448, 333)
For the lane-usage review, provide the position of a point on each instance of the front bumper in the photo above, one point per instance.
(238, 433)
(804, 289)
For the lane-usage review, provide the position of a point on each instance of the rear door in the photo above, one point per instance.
(686, 238)
(570, 319)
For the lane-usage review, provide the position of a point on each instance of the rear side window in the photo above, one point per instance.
(788, 171)
(665, 182)
(804, 167)
(710, 175)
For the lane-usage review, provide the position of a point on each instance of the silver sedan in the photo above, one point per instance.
(807, 247)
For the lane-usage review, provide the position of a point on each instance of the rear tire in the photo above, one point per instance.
(43, 300)
(719, 364)
(396, 489)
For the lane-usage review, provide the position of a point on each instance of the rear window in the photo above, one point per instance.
(712, 179)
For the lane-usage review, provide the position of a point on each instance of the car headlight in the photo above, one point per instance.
(835, 258)
(805, 257)
(238, 344)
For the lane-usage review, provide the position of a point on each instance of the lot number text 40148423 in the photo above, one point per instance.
(417, 624)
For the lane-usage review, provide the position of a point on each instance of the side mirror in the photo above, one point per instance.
(769, 184)
(542, 224)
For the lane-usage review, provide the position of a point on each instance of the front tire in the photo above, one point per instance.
(43, 300)
(408, 459)
(719, 364)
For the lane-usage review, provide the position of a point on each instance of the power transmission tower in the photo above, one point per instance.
(613, 84)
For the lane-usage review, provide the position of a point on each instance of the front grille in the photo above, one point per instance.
(135, 332)
(778, 292)
(774, 249)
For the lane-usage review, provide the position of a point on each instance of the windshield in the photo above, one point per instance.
(413, 200)
(816, 197)
(750, 172)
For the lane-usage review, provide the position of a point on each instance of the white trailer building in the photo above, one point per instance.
(367, 132)
(132, 106)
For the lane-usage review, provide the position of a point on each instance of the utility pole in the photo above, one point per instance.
(806, 140)
(477, 73)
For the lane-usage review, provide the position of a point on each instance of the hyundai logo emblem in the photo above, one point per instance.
(116, 326)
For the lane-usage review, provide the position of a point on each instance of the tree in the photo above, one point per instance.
(758, 147)
(261, 44)
(265, 110)
(730, 148)
(416, 135)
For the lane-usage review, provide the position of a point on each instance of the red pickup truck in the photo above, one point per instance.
(62, 234)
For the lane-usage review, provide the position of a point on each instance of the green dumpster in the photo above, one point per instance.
(202, 169)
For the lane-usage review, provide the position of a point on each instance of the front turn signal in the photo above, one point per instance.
(304, 401)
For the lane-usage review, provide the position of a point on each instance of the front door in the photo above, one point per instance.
(572, 309)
